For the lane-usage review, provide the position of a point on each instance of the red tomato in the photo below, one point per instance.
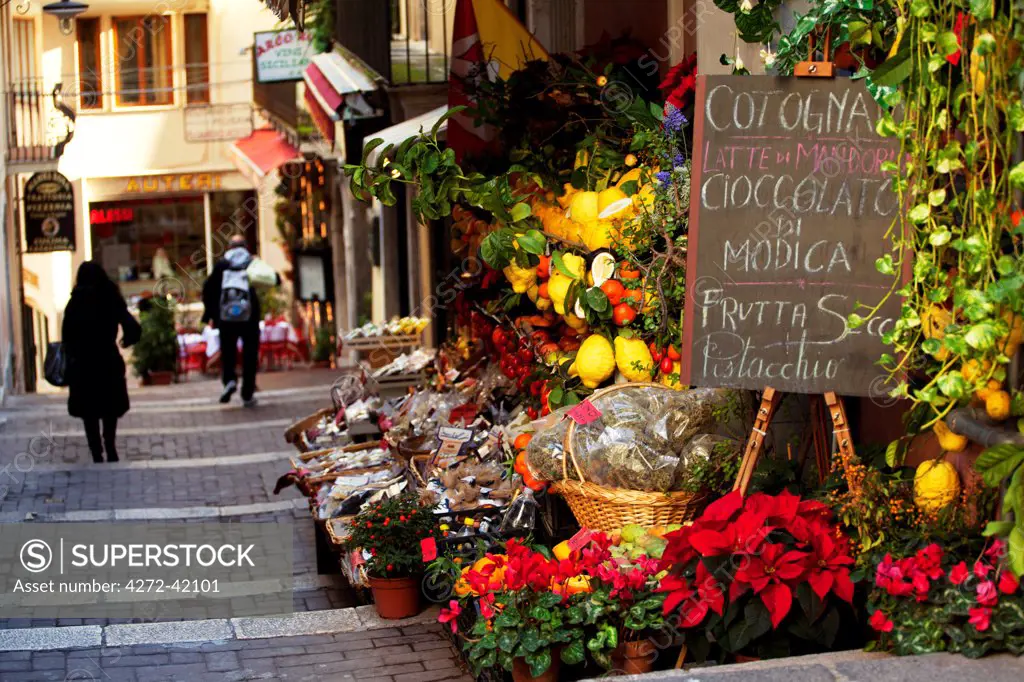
(613, 289)
(673, 353)
(667, 365)
(655, 351)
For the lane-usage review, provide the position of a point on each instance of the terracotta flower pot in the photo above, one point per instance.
(740, 658)
(396, 597)
(521, 670)
(161, 378)
(634, 658)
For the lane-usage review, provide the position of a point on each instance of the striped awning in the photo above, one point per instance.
(399, 132)
(264, 151)
(335, 84)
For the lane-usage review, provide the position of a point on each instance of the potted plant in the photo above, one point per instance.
(323, 346)
(961, 598)
(531, 617)
(155, 356)
(758, 577)
(627, 608)
(391, 531)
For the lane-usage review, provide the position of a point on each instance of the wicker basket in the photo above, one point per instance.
(293, 434)
(607, 509)
(356, 447)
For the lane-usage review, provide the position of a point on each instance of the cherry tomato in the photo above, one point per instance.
(525, 355)
(544, 268)
(627, 272)
(531, 412)
(673, 353)
(667, 365)
(655, 351)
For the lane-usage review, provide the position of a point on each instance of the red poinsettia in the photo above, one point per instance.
(772, 545)
(828, 568)
(680, 83)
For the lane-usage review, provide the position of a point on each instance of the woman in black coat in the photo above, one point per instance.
(95, 369)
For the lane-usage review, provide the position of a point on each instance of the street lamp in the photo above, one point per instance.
(66, 11)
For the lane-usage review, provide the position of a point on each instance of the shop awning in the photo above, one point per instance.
(335, 83)
(399, 132)
(264, 151)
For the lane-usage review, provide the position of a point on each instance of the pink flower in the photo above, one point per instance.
(997, 551)
(881, 622)
(958, 574)
(450, 615)
(1008, 583)
(980, 618)
(987, 594)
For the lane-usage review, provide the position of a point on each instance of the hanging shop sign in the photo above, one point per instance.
(49, 203)
(787, 237)
(281, 55)
(174, 182)
(216, 122)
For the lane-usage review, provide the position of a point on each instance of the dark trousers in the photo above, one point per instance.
(92, 436)
(250, 335)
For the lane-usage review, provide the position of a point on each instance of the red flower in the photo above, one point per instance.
(981, 618)
(981, 570)
(929, 561)
(779, 510)
(987, 594)
(745, 535)
(998, 548)
(678, 591)
(879, 621)
(828, 569)
(959, 573)
(450, 615)
(1008, 583)
(765, 573)
(487, 605)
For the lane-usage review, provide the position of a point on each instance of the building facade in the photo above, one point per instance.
(159, 93)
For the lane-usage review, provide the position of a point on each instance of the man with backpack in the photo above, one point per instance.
(231, 304)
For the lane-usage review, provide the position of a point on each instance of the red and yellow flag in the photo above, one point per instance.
(487, 42)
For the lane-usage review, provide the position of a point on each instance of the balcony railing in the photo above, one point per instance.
(39, 123)
(421, 37)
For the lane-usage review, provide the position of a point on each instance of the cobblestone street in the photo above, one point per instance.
(185, 458)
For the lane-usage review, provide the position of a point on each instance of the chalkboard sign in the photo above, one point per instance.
(49, 202)
(789, 212)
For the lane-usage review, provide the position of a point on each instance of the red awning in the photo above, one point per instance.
(321, 118)
(264, 151)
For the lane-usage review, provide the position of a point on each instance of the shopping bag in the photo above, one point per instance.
(260, 274)
(55, 367)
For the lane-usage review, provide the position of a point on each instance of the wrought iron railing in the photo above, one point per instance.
(37, 132)
(421, 38)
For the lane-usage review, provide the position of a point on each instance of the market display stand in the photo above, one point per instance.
(379, 350)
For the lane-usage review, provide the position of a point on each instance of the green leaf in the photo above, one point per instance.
(919, 213)
(952, 384)
(884, 265)
(532, 242)
(1015, 551)
(940, 237)
(1017, 176)
(997, 528)
(596, 299)
(982, 336)
(894, 454)
(937, 196)
(444, 117)
(556, 259)
(1015, 115)
(894, 70)
(981, 9)
(508, 640)
(574, 653)
(995, 472)
(521, 211)
(947, 43)
(509, 618)
(489, 641)
(539, 662)
(540, 613)
(531, 640)
(920, 8)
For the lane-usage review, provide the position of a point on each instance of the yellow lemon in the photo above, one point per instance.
(936, 484)
(595, 361)
(633, 359)
(583, 207)
(949, 441)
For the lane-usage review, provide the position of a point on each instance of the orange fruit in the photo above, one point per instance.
(614, 290)
(623, 314)
(522, 440)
